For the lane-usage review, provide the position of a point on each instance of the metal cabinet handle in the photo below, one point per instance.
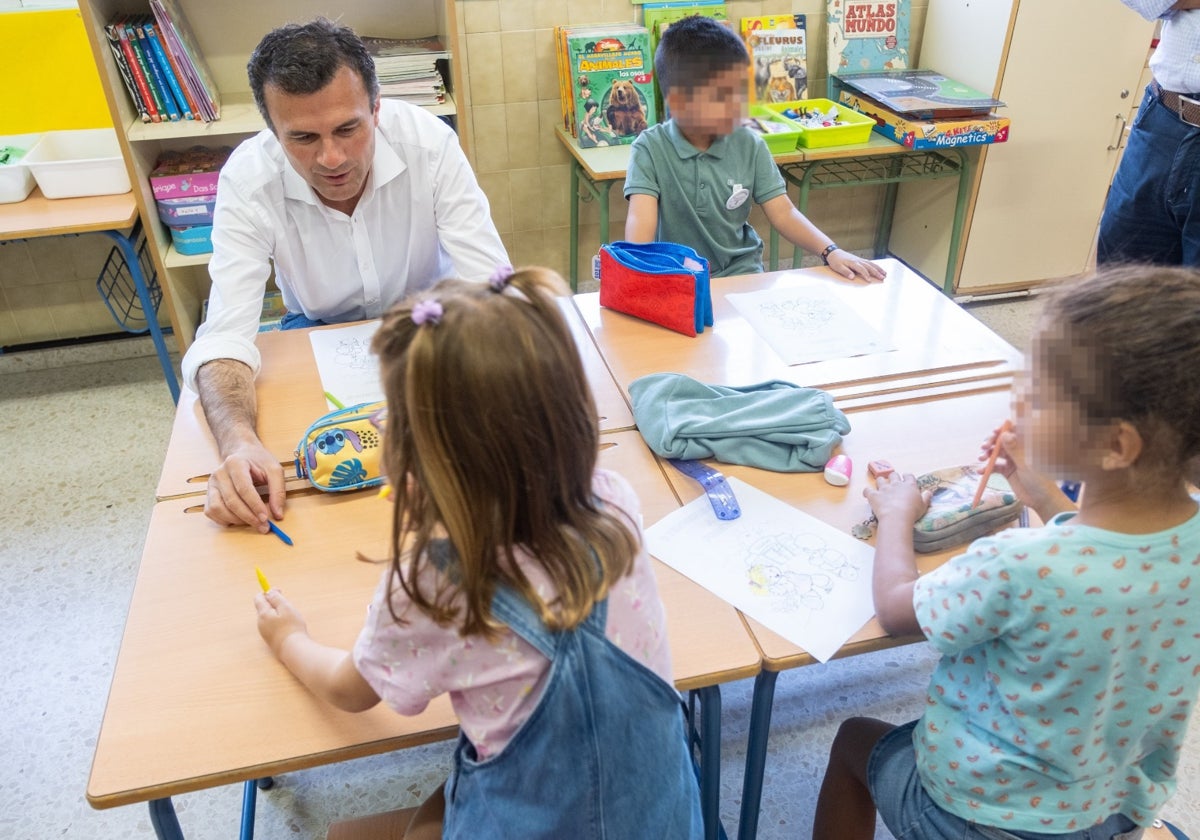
(1120, 136)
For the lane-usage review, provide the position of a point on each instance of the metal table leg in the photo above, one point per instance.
(756, 753)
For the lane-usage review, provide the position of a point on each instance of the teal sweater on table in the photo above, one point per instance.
(772, 425)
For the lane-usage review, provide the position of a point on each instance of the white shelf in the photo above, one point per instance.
(238, 116)
(174, 259)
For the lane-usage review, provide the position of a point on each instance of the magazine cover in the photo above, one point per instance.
(607, 83)
(867, 35)
(778, 57)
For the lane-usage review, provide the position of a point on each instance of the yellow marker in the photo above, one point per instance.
(386, 491)
(262, 579)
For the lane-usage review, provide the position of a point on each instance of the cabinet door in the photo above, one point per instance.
(1069, 76)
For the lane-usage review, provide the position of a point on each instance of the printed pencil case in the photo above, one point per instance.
(661, 282)
(341, 450)
(951, 520)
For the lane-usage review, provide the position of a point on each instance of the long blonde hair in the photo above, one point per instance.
(491, 440)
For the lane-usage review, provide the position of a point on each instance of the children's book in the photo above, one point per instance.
(146, 68)
(178, 38)
(606, 80)
(657, 16)
(921, 94)
(778, 57)
(867, 36)
(134, 83)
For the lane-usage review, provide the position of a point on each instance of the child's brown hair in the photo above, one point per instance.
(1125, 345)
(491, 441)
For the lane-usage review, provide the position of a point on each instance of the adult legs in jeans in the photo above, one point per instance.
(1153, 209)
(297, 321)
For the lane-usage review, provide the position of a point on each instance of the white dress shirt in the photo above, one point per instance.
(1176, 61)
(421, 217)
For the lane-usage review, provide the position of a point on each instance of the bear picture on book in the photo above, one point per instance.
(608, 77)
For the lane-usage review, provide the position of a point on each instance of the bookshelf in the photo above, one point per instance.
(227, 32)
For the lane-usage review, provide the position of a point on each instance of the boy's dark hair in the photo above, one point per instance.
(300, 59)
(1125, 345)
(695, 49)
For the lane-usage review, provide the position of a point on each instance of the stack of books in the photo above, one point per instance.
(411, 69)
(162, 68)
(605, 82)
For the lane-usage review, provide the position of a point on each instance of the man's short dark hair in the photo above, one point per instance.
(302, 58)
(695, 49)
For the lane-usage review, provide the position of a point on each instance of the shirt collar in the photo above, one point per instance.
(685, 149)
(385, 166)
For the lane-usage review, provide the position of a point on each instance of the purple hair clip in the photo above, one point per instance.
(500, 277)
(427, 312)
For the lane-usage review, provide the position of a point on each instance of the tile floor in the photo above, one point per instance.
(73, 527)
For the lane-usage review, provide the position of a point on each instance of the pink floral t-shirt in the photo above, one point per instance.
(495, 686)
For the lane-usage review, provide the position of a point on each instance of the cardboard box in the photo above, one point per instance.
(187, 210)
(191, 172)
(930, 134)
(192, 240)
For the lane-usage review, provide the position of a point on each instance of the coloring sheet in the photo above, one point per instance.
(349, 370)
(805, 580)
(808, 324)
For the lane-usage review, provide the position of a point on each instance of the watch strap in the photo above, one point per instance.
(829, 249)
(716, 487)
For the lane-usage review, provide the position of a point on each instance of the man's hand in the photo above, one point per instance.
(233, 497)
(226, 389)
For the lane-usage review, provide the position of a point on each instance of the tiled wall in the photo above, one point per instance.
(47, 286)
(512, 92)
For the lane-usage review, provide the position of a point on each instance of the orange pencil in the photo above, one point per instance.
(1006, 426)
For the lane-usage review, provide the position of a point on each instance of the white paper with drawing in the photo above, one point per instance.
(805, 580)
(349, 370)
(808, 323)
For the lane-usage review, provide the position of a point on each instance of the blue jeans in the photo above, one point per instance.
(604, 754)
(911, 814)
(297, 321)
(1150, 215)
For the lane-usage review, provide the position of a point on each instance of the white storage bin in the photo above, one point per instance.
(16, 181)
(74, 163)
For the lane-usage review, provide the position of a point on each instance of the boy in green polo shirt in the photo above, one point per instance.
(693, 179)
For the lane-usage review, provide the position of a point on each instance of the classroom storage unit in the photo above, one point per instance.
(227, 31)
(1071, 74)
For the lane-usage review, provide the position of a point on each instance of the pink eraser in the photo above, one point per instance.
(880, 469)
(837, 471)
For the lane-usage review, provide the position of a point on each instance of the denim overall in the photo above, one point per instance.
(604, 754)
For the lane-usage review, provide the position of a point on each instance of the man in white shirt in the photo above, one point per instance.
(1151, 214)
(357, 203)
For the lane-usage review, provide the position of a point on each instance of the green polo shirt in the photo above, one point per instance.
(696, 192)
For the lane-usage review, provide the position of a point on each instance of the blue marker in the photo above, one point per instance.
(275, 530)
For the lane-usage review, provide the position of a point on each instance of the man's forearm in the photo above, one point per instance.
(226, 389)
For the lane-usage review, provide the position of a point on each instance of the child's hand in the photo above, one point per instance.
(897, 496)
(1031, 487)
(850, 266)
(277, 619)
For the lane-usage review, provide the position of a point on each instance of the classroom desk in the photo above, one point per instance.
(110, 215)
(916, 437)
(290, 397)
(940, 347)
(198, 701)
(879, 161)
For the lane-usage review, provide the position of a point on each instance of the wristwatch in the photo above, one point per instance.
(720, 494)
(829, 249)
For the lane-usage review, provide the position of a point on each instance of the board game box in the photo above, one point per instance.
(920, 94)
(606, 82)
(929, 134)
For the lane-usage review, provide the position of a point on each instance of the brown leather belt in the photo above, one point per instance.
(1187, 108)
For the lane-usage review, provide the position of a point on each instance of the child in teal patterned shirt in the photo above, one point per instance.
(1070, 664)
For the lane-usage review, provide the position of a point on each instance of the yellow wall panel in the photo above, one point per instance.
(48, 80)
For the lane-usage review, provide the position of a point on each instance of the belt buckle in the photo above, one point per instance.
(1184, 101)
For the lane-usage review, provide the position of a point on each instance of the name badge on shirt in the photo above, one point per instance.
(738, 198)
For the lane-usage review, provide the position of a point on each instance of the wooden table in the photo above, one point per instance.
(290, 397)
(941, 349)
(110, 215)
(879, 161)
(916, 437)
(198, 701)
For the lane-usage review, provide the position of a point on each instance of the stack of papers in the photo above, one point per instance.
(411, 69)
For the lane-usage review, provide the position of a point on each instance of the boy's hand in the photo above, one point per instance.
(850, 266)
(277, 619)
(898, 497)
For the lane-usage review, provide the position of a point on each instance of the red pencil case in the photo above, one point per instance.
(660, 282)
